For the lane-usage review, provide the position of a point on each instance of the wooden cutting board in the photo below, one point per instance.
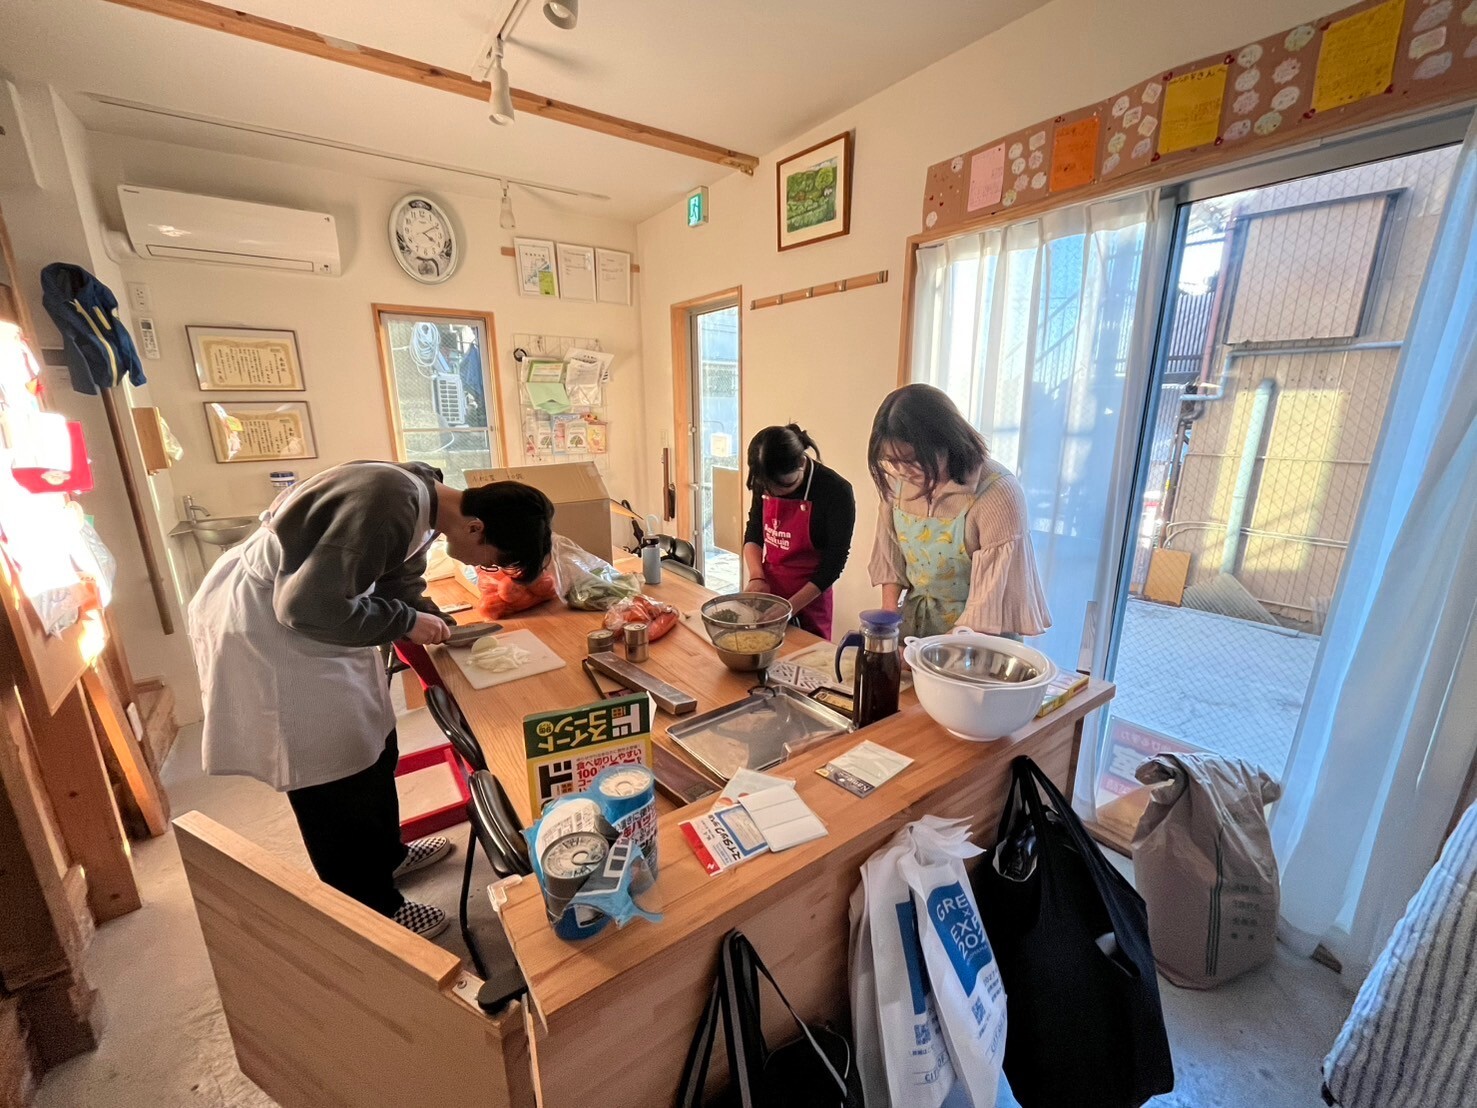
(541, 660)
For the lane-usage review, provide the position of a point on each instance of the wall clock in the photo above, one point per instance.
(423, 239)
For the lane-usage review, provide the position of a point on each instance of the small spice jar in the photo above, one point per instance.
(638, 645)
(597, 642)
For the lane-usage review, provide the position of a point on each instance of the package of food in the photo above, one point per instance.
(587, 581)
(661, 617)
(502, 595)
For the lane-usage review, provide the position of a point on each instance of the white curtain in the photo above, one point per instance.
(1389, 730)
(1041, 333)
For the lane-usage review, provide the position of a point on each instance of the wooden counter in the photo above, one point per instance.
(614, 1014)
(682, 657)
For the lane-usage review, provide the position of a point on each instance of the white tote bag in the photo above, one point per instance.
(962, 973)
(919, 1046)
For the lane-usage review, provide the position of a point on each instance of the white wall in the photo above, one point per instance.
(332, 316)
(58, 221)
(829, 362)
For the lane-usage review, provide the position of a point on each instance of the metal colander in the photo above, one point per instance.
(747, 628)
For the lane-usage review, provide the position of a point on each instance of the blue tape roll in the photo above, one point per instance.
(627, 796)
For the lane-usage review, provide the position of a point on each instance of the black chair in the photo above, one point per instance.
(454, 726)
(678, 550)
(682, 569)
(393, 662)
(498, 830)
(497, 827)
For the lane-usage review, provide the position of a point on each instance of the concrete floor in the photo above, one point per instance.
(1225, 685)
(1256, 1041)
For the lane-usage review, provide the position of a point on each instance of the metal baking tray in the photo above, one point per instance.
(760, 731)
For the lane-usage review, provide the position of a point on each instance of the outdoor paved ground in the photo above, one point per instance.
(1222, 684)
(722, 570)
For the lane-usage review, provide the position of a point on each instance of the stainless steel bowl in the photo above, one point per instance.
(976, 662)
(747, 615)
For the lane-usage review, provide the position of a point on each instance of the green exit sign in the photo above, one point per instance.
(697, 206)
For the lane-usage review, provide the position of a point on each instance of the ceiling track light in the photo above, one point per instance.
(505, 214)
(500, 94)
(563, 14)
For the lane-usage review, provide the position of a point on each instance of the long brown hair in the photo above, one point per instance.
(924, 419)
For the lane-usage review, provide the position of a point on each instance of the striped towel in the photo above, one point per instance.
(1411, 1038)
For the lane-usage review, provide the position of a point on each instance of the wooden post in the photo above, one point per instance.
(114, 728)
(136, 506)
(77, 782)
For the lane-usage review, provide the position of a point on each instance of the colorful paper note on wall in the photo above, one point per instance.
(1073, 154)
(986, 177)
(1357, 58)
(1192, 109)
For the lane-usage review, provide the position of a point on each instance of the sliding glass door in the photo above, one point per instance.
(1282, 336)
(1029, 329)
(1191, 395)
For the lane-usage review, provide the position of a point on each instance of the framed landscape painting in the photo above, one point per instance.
(813, 193)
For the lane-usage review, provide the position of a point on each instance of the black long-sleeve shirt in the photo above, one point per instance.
(832, 519)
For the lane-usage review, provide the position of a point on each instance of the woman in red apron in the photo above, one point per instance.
(800, 521)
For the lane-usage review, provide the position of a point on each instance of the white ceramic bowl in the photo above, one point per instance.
(978, 711)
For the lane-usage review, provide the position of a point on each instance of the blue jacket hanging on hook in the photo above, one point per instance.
(100, 351)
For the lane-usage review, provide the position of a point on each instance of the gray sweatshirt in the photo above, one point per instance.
(344, 579)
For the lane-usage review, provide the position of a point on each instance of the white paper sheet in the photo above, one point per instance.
(783, 817)
(576, 272)
(612, 276)
(536, 272)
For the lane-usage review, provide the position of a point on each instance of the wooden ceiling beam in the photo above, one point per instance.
(245, 25)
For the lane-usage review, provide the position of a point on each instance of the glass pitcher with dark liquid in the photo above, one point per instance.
(879, 666)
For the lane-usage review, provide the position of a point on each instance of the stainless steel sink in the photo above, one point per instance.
(226, 531)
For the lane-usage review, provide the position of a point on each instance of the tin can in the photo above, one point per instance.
(599, 641)
(637, 644)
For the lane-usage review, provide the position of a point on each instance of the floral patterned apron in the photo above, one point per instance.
(939, 567)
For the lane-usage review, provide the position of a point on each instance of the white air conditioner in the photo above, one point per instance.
(186, 227)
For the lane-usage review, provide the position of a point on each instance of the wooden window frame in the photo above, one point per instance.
(682, 452)
(490, 367)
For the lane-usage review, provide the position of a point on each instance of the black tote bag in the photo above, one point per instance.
(814, 1071)
(1084, 1023)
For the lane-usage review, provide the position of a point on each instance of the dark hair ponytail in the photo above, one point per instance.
(777, 452)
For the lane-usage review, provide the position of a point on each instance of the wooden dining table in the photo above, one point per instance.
(683, 658)
(611, 1016)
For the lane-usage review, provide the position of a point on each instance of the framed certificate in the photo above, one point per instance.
(246, 359)
(261, 431)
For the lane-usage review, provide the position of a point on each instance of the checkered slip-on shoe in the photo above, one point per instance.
(425, 920)
(423, 852)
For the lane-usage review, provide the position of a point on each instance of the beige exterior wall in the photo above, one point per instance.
(1327, 411)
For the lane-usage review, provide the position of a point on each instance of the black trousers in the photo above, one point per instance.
(351, 828)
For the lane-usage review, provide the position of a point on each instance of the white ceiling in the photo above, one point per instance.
(746, 74)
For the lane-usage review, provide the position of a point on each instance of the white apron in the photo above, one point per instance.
(279, 706)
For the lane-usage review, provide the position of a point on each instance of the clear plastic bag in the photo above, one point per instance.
(589, 582)
(660, 617)
(503, 596)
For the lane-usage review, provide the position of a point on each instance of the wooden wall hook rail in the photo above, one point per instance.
(846, 284)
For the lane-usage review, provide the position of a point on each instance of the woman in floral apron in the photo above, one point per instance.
(953, 547)
(800, 521)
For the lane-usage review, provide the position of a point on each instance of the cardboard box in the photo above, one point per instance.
(582, 506)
